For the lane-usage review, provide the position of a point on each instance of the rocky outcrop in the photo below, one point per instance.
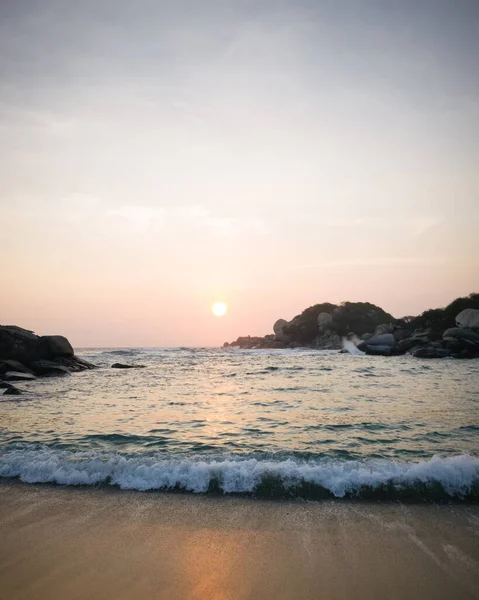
(24, 355)
(450, 331)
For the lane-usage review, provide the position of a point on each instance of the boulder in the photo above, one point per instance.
(401, 334)
(12, 391)
(15, 365)
(123, 366)
(366, 336)
(469, 317)
(18, 344)
(48, 368)
(378, 350)
(50, 346)
(411, 342)
(385, 339)
(385, 328)
(431, 352)
(328, 340)
(466, 336)
(325, 321)
(16, 376)
(279, 335)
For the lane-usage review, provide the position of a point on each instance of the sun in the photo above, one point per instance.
(219, 309)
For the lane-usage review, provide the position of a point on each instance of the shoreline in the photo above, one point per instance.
(63, 542)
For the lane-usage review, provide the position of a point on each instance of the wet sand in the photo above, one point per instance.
(65, 543)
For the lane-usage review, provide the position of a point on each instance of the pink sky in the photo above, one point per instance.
(153, 161)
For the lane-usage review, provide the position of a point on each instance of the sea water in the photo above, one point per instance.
(271, 423)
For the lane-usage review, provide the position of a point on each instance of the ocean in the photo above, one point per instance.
(267, 423)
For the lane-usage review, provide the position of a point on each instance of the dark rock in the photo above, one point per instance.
(122, 366)
(464, 335)
(330, 340)
(385, 339)
(378, 350)
(48, 367)
(15, 365)
(366, 336)
(18, 344)
(15, 376)
(5, 385)
(412, 342)
(75, 363)
(12, 391)
(431, 352)
(274, 344)
(50, 346)
(401, 334)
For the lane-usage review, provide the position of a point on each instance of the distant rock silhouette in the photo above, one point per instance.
(436, 333)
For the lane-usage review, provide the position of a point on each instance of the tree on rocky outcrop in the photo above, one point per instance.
(303, 329)
(440, 319)
(359, 318)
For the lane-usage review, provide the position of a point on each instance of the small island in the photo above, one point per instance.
(452, 331)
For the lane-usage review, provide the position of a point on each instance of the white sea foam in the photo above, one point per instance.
(456, 475)
(350, 346)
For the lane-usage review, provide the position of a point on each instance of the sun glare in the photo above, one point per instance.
(219, 309)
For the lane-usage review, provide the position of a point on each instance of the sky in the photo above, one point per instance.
(158, 156)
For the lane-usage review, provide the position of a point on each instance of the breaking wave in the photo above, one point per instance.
(437, 479)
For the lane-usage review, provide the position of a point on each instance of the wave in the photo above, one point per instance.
(437, 479)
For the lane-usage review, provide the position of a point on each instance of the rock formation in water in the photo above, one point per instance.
(25, 356)
(438, 333)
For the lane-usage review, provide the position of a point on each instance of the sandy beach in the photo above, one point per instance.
(59, 543)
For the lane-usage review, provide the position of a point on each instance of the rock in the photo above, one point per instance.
(386, 328)
(18, 344)
(50, 346)
(378, 350)
(15, 365)
(279, 335)
(411, 342)
(122, 366)
(274, 344)
(431, 352)
(5, 385)
(469, 317)
(47, 367)
(12, 391)
(366, 336)
(467, 336)
(74, 363)
(16, 376)
(325, 321)
(385, 339)
(401, 334)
